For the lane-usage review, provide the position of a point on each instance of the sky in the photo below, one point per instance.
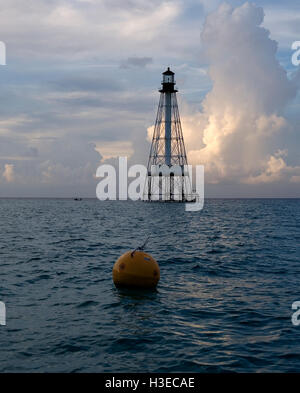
(80, 88)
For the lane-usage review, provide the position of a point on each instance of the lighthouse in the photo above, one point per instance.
(167, 175)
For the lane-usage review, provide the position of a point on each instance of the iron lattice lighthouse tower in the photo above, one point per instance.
(167, 175)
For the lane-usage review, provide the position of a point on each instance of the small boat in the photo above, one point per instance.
(77, 199)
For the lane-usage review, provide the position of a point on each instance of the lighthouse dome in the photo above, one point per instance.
(168, 76)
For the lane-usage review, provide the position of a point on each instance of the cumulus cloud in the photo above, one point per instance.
(235, 134)
(8, 173)
(114, 149)
(276, 170)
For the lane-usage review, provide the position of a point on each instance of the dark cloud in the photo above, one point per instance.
(93, 83)
(137, 62)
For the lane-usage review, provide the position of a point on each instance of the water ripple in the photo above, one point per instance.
(229, 275)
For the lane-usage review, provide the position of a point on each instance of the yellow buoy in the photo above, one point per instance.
(136, 269)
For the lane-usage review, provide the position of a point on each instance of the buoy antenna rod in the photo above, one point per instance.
(141, 248)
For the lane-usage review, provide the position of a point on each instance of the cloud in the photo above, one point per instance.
(114, 149)
(86, 29)
(87, 83)
(243, 115)
(55, 162)
(283, 20)
(65, 98)
(137, 62)
(276, 170)
(210, 5)
(8, 173)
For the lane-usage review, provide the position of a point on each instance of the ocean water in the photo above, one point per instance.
(229, 276)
